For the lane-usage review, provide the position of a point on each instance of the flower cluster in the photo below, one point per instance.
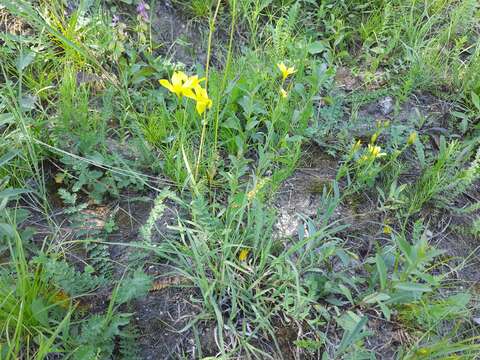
(286, 72)
(189, 86)
(371, 153)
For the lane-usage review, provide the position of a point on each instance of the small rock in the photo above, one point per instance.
(386, 105)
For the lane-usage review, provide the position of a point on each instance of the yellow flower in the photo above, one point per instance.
(180, 84)
(283, 93)
(242, 256)
(412, 138)
(202, 99)
(188, 86)
(286, 71)
(375, 151)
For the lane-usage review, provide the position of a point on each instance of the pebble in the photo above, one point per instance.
(386, 105)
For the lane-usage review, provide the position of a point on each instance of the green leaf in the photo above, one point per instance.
(316, 47)
(420, 153)
(24, 60)
(412, 287)
(405, 247)
(118, 321)
(382, 271)
(232, 123)
(346, 292)
(10, 192)
(476, 100)
(6, 119)
(459, 115)
(27, 102)
(84, 352)
(40, 311)
(7, 230)
(385, 310)
(348, 321)
(7, 157)
(351, 337)
(375, 298)
(134, 287)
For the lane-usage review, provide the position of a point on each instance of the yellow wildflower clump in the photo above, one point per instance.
(188, 86)
(371, 153)
(286, 71)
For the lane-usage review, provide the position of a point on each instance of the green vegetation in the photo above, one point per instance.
(257, 179)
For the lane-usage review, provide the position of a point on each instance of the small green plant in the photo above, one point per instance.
(445, 179)
(241, 270)
(363, 166)
(32, 311)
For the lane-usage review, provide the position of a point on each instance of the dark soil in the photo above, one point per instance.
(184, 39)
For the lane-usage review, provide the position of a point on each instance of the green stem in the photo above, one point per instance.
(207, 67)
(226, 71)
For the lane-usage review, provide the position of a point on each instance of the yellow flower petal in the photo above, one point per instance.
(188, 93)
(179, 77)
(201, 107)
(283, 93)
(242, 256)
(286, 71)
(375, 151)
(192, 82)
(203, 101)
(165, 83)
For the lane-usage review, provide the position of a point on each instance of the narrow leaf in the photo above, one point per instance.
(382, 271)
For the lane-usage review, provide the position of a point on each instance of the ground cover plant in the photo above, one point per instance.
(241, 179)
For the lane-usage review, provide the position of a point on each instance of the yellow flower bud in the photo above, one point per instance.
(387, 229)
(412, 138)
(357, 146)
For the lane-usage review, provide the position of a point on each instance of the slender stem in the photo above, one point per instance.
(202, 141)
(226, 71)
(210, 37)
(207, 67)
